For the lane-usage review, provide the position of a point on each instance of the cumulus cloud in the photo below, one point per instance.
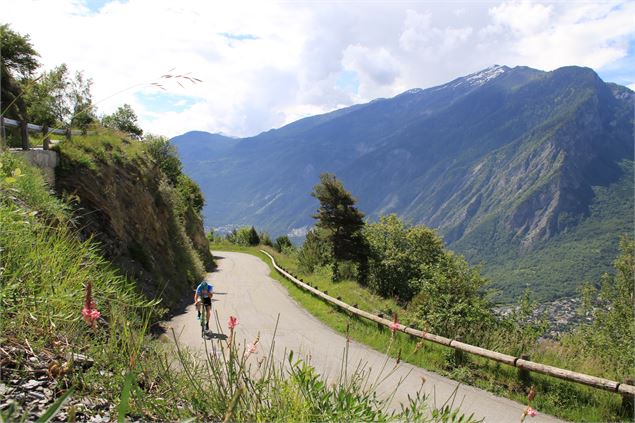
(265, 64)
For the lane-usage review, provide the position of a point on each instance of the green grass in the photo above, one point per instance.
(103, 145)
(563, 399)
(44, 271)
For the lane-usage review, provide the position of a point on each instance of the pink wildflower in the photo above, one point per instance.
(531, 412)
(251, 349)
(394, 326)
(232, 322)
(86, 314)
(89, 312)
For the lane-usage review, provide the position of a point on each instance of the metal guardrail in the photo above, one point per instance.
(568, 375)
(36, 128)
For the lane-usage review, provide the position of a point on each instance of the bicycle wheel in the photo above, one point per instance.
(203, 317)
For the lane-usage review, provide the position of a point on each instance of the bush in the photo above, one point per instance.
(282, 243)
(190, 192)
(315, 252)
(165, 156)
(449, 302)
(265, 239)
(399, 255)
(245, 236)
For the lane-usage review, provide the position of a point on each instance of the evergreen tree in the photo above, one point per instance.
(254, 239)
(342, 224)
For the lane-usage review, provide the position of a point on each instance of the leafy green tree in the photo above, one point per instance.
(54, 98)
(18, 59)
(46, 97)
(282, 243)
(232, 237)
(342, 224)
(397, 254)
(123, 119)
(81, 101)
(165, 156)
(449, 301)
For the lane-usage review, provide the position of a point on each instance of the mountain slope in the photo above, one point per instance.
(506, 163)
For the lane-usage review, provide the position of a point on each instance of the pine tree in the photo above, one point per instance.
(342, 223)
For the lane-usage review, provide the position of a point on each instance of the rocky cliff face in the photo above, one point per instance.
(129, 208)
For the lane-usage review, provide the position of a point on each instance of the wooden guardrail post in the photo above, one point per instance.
(459, 356)
(24, 134)
(628, 403)
(523, 374)
(46, 143)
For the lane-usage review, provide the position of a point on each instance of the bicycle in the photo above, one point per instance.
(204, 308)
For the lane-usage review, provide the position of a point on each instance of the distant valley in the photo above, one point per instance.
(526, 172)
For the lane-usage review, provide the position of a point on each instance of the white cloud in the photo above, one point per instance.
(264, 64)
(522, 17)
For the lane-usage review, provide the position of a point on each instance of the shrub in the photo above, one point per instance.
(165, 156)
(265, 239)
(399, 255)
(314, 252)
(245, 236)
(449, 302)
(282, 243)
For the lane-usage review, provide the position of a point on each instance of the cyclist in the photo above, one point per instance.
(204, 294)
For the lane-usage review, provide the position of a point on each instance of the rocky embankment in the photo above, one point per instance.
(140, 222)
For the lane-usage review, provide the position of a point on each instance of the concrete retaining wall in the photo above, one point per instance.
(46, 160)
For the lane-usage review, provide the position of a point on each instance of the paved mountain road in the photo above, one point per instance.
(244, 289)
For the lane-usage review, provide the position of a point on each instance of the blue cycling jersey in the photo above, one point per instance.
(204, 289)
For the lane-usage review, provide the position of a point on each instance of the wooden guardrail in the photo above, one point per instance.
(568, 375)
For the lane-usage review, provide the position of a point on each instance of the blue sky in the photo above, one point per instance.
(95, 5)
(265, 64)
(621, 71)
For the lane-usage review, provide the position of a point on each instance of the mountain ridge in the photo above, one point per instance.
(504, 156)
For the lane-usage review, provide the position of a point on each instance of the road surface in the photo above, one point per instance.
(244, 289)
